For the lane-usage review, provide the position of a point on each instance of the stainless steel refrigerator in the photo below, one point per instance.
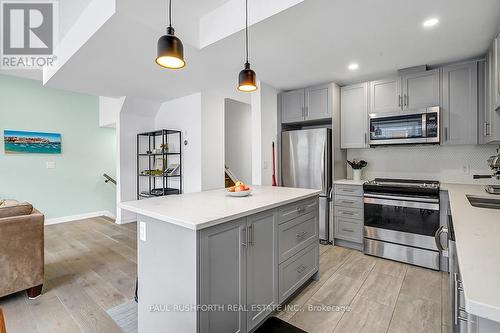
(306, 163)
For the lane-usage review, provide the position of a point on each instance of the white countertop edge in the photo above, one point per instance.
(481, 310)
(349, 182)
(472, 305)
(200, 226)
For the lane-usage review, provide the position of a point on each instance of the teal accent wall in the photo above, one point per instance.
(76, 185)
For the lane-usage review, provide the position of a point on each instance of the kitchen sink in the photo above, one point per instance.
(483, 202)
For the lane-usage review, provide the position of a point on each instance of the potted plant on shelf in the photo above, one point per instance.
(357, 167)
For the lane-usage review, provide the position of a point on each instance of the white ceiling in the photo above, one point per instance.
(312, 42)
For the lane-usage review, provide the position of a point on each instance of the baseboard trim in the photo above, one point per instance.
(64, 219)
(131, 219)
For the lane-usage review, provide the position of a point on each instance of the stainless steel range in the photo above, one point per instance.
(401, 219)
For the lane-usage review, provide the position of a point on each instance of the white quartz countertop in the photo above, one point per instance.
(349, 182)
(477, 235)
(205, 209)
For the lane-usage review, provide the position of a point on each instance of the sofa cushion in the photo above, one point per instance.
(10, 208)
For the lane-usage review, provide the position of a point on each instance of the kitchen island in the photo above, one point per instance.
(477, 234)
(208, 262)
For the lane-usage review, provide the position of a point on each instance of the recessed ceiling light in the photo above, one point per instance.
(430, 22)
(353, 66)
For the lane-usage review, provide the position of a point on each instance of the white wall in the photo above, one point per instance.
(109, 110)
(212, 145)
(443, 163)
(238, 139)
(264, 132)
(137, 116)
(184, 114)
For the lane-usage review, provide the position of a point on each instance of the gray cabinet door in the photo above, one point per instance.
(420, 90)
(318, 103)
(385, 95)
(354, 115)
(292, 106)
(459, 104)
(223, 276)
(262, 266)
(484, 114)
(496, 73)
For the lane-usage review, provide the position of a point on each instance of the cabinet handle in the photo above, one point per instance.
(348, 230)
(446, 133)
(301, 268)
(346, 213)
(455, 308)
(302, 234)
(406, 100)
(250, 237)
(399, 100)
(347, 201)
(245, 237)
(301, 209)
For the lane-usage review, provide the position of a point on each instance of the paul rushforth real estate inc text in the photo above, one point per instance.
(253, 307)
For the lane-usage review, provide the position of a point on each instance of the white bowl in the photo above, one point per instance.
(240, 193)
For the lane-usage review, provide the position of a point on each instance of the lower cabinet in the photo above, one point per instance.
(262, 263)
(294, 272)
(223, 276)
(242, 273)
(349, 215)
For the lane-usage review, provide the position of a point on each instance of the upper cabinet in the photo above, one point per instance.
(354, 115)
(489, 115)
(407, 92)
(420, 90)
(318, 103)
(495, 89)
(314, 103)
(385, 95)
(292, 106)
(459, 107)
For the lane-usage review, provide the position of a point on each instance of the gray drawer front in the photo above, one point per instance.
(351, 190)
(349, 229)
(350, 213)
(298, 209)
(294, 272)
(297, 234)
(348, 201)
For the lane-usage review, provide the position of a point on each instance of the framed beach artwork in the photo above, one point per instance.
(23, 142)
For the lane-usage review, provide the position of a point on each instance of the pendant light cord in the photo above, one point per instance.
(170, 13)
(246, 28)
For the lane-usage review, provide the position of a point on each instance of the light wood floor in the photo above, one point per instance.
(378, 295)
(90, 267)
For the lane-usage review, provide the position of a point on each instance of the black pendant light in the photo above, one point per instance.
(170, 49)
(247, 78)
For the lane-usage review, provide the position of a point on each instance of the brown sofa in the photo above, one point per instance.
(21, 248)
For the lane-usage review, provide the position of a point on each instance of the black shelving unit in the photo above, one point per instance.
(147, 144)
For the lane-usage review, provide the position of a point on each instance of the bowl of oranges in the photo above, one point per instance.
(239, 190)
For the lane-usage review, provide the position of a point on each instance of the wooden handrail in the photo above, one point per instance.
(2, 322)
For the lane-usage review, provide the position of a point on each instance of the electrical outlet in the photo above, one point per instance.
(142, 231)
(50, 165)
(466, 169)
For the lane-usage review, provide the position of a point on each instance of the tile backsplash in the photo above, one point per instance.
(451, 164)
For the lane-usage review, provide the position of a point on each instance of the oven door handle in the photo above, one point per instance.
(395, 197)
(402, 203)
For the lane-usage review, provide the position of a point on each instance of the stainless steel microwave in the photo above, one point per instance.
(405, 127)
